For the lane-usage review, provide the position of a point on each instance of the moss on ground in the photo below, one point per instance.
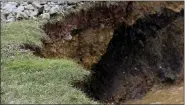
(26, 78)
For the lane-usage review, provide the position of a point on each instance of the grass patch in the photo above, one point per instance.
(26, 78)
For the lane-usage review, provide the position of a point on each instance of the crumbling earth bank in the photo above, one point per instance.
(140, 55)
(91, 29)
(129, 46)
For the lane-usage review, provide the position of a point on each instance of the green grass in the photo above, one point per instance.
(27, 79)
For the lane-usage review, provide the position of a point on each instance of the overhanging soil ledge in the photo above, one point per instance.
(138, 56)
(128, 46)
(92, 28)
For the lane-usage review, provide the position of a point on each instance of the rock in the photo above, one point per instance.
(61, 10)
(72, 2)
(47, 8)
(64, 7)
(19, 9)
(36, 4)
(27, 12)
(10, 18)
(43, 2)
(52, 3)
(2, 4)
(3, 18)
(21, 15)
(13, 3)
(24, 3)
(61, 2)
(29, 2)
(45, 16)
(29, 7)
(102, 26)
(69, 8)
(9, 8)
(54, 10)
(33, 17)
(67, 37)
(34, 12)
(65, 2)
(33, 9)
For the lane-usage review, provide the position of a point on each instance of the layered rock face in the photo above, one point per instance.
(140, 55)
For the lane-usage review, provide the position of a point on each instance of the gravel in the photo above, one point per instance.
(14, 10)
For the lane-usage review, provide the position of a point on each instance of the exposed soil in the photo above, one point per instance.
(92, 28)
(173, 94)
(86, 47)
(128, 46)
(139, 55)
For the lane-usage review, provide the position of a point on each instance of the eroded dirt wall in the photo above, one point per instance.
(140, 55)
(90, 28)
(135, 44)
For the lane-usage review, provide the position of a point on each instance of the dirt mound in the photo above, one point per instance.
(139, 55)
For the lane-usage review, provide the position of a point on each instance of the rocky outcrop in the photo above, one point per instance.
(138, 56)
(13, 11)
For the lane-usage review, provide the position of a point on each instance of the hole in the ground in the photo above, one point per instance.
(138, 56)
(126, 60)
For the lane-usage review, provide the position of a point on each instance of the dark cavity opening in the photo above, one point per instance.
(126, 53)
(139, 55)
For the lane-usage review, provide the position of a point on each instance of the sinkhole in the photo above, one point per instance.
(126, 54)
